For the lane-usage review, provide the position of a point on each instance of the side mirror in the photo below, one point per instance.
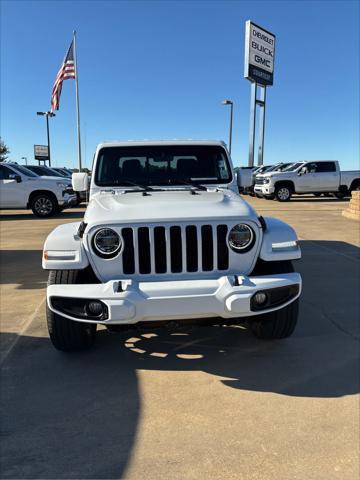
(302, 171)
(15, 176)
(80, 181)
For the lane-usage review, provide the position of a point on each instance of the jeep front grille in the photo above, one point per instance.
(174, 249)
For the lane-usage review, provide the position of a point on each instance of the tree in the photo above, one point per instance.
(4, 150)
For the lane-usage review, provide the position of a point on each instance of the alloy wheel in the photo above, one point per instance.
(283, 193)
(43, 206)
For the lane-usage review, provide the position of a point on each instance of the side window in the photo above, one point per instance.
(312, 167)
(5, 172)
(326, 167)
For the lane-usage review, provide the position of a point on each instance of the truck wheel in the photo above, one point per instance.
(278, 324)
(355, 186)
(340, 195)
(44, 205)
(68, 335)
(78, 199)
(283, 193)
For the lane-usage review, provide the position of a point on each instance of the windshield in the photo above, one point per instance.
(24, 171)
(264, 169)
(162, 165)
(54, 173)
(274, 167)
(64, 172)
(44, 171)
(293, 167)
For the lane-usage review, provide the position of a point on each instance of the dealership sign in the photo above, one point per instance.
(259, 54)
(41, 152)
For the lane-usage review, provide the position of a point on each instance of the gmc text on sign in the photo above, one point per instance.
(259, 54)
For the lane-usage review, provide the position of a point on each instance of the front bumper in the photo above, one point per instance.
(128, 302)
(265, 189)
(68, 200)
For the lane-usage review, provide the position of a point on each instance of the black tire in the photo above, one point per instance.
(278, 324)
(67, 335)
(340, 195)
(78, 199)
(355, 186)
(283, 193)
(44, 205)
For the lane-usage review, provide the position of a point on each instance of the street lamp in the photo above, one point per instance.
(229, 102)
(24, 158)
(47, 115)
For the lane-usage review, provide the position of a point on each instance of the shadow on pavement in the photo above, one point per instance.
(303, 198)
(28, 273)
(76, 415)
(30, 216)
(67, 416)
(307, 198)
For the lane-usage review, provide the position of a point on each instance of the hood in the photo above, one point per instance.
(58, 179)
(272, 174)
(166, 206)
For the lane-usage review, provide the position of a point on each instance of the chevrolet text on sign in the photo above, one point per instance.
(259, 54)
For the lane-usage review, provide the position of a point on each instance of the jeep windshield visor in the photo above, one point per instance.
(162, 165)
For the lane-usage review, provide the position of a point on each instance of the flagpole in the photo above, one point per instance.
(77, 103)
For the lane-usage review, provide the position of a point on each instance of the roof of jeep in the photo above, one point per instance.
(138, 143)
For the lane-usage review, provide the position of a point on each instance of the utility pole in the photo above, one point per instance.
(229, 102)
(47, 115)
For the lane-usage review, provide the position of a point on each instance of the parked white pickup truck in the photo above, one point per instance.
(166, 238)
(307, 177)
(21, 188)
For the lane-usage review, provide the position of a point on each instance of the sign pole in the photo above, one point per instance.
(261, 102)
(231, 126)
(48, 138)
(77, 103)
(252, 123)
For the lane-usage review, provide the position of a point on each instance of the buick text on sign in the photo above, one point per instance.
(259, 54)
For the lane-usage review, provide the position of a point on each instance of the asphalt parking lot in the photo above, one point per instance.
(201, 403)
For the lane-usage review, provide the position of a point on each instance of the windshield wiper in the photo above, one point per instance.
(190, 184)
(146, 188)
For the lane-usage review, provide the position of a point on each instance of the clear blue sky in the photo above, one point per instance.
(159, 69)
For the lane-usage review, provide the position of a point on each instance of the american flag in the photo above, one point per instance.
(67, 70)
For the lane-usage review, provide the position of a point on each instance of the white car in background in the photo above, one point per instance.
(48, 172)
(317, 177)
(20, 188)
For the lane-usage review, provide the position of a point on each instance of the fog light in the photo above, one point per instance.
(260, 298)
(94, 309)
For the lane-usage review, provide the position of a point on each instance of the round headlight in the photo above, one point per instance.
(106, 242)
(241, 238)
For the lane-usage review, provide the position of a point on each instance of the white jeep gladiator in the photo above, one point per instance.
(167, 239)
(322, 176)
(21, 188)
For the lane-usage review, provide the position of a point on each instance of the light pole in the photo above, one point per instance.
(24, 158)
(47, 115)
(229, 102)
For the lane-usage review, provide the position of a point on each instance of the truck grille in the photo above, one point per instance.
(174, 249)
(259, 181)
